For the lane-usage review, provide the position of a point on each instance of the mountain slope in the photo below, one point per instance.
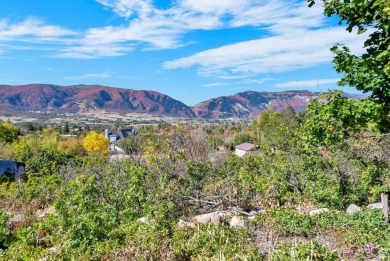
(248, 104)
(81, 98)
(90, 98)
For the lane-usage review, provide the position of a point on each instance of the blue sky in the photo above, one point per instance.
(191, 50)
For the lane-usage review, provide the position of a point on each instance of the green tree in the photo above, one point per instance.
(40, 153)
(134, 147)
(275, 129)
(65, 128)
(5, 232)
(336, 118)
(8, 132)
(369, 72)
(242, 137)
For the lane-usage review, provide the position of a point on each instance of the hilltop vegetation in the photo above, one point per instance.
(93, 204)
(77, 203)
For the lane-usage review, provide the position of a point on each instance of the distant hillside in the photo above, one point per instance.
(82, 98)
(248, 104)
(89, 98)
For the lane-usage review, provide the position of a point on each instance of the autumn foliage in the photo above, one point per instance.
(95, 143)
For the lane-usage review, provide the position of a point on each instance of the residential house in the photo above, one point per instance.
(243, 149)
(116, 137)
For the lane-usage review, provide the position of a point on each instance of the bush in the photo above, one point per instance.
(214, 242)
(308, 250)
(360, 229)
(288, 223)
(363, 234)
(5, 232)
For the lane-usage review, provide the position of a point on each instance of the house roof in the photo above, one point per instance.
(125, 133)
(245, 146)
(121, 134)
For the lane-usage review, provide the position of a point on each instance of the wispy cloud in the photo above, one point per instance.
(93, 50)
(102, 75)
(280, 53)
(307, 83)
(32, 29)
(34, 34)
(126, 8)
(151, 28)
(255, 81)
(293, 41)
(215, 84)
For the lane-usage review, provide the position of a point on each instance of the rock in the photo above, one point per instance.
(375, 205)
(17, 218)
(228, 213)
(186, 223)
(41, 213)
(237, 222)
(353, 209)
(318, 211)
(55, 250)
(222, 214)
(145, 220)
(209, 218)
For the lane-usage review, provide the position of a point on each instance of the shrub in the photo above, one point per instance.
(308, 250)
(215, 243)
(288, 222)
(5, 232)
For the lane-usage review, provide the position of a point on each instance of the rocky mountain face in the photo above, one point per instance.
(82, 98)
(87, 98)
(249, 104)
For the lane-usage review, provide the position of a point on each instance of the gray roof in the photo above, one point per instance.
(121, 134)
(245, 146)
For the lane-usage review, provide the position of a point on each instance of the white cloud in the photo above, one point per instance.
(127, 8)
(34, 34)
(307, 83)
(293, 40)
(280, 53)
(154, 28)
(215, 84)
(217, 7)
(102, 75)
(33, 29)
(91, 51)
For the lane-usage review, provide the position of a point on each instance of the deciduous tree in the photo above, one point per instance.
(369, 72)
(335, 118)
(95, 143)
(8, 132)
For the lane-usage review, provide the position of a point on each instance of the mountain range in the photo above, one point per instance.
(86, 98)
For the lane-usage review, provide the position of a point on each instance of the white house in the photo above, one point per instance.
(116, 137)
(243, 149)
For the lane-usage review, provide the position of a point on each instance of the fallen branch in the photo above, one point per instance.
(240, 211)
(191, 199)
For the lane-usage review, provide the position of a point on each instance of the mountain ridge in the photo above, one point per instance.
(77, 98)
(249, 103)
(82, 98)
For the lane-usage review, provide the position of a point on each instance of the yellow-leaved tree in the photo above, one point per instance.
(95, 143)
